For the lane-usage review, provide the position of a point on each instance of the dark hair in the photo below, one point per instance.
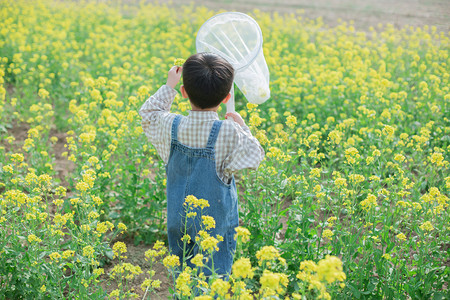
(207, 79)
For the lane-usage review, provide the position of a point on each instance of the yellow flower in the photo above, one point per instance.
(55, 256)
(315, 173)
(203, 298)
(437, 159)
(330, 269)
(267, 253)
(331, 221)
(198, 260)
(356, 178)
(125, 270)
(401, 236)
(171, 261)
(242, 268)
(434, 191)
(99, 271)
(388, 131)
(119, 248)
(340, 182)
(102, 227)
(242, 232)
(74, 201)
(122, 227)
(309, 266)
(352, 155)
(87, 137)
(416, 206)
(369, 202)
(93, 215)
(32, 238)
(209, 222)
(17, 157)
(88, 251)
(82, 186)
(327, 233)
(97, 200)
(192, 201)
(291, 121)
(336, 136)
(399, 157)
(251, 106)
(274, 282)
(183, 283)
(43, 93)
(114, 293)
(150, 283)
(220, 287)
(156, 284)
(255, 120)
(426, 226)
(201, 235)
(158, 245)
(209, 244)
(179, 62)
(186, 238)
(191, 215)
(68, 253)
(151, 253)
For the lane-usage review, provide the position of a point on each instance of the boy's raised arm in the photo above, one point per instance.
(155, 111)
(174, 76)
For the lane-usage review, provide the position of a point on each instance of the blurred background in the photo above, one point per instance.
(365, 13)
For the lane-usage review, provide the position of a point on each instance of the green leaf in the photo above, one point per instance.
(354, 291)
(113, 215)
(109, 254)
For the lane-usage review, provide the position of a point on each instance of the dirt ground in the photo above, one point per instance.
(136, 256)
(364, 13)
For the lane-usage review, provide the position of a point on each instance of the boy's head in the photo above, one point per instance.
(207, 79)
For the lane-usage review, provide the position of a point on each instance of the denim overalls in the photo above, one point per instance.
(192, 171)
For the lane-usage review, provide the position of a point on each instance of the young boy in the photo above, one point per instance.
(201, 152)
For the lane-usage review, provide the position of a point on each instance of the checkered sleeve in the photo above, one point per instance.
(157, 120)
(246, 151)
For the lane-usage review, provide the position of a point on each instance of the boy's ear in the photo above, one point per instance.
(227, 98)
(183, 92)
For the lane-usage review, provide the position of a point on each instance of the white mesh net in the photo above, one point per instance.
(238, 38)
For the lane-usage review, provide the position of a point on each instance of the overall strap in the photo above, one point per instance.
(175, 124)
(213, 135)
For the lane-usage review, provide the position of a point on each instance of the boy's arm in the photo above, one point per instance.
(246, 152)
(155, 108)
(155, 113)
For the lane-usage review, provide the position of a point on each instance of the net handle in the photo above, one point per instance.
(230, 104)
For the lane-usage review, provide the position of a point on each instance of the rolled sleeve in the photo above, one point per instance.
(156, 117)
(247, 152)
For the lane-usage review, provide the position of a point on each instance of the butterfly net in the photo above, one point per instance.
(237, 38)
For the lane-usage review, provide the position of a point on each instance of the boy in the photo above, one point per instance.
(201, 153)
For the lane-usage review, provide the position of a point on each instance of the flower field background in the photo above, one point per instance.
(356, 174)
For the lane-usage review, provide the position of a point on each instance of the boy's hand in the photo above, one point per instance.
(235, 117)
(174, 76)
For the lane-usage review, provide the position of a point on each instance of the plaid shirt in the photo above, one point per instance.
(236, 148)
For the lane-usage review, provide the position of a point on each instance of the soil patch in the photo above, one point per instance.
(136, 256)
